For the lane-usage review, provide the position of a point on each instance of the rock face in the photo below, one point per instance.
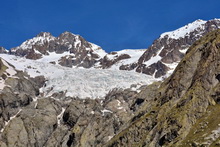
(171, 47)
(30, 119)
(50, 122)
(72, 49)
(182, 111)
(3, 50)
(17, 91)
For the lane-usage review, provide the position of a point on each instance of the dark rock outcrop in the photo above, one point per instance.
(106, 62)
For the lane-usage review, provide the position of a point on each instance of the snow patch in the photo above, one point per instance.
(183, 51)
(136, 87)
(92, 112)
(119, 103)
(215, 134)
(171, 67)
(105, 111)
(98, 50)
(119, 106)
(154, 59)
(59, 117)
(110, 137)
(53, 57)
(2, 84)
(77, 43)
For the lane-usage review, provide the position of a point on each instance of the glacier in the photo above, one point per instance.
(78, 82)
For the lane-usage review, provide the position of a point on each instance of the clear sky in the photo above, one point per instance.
(112, 24)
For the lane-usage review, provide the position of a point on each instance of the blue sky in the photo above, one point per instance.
(112, 24)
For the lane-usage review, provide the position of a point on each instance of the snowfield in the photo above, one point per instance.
(78, 82)
(135, 54)
(185, 30)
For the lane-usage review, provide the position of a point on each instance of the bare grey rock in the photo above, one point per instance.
(3, 50)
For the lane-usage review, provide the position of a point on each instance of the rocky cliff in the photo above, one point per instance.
(184, 109)
(170, 47)
(17, 91)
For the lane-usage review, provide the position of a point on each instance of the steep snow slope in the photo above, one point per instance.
(163, 55)
(98, 50)
(134, 55)
(82, 83)
(40, 39)
(185, 30)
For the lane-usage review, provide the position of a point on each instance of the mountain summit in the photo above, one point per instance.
(73, 49)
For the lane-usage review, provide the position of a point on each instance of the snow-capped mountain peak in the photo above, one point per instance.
(185, 30)
(40, 39)
(163, 55)
(72, 49)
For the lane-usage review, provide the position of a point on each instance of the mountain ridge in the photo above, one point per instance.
(158, 61)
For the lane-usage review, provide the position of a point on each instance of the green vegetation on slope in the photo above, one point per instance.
(181, 102)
